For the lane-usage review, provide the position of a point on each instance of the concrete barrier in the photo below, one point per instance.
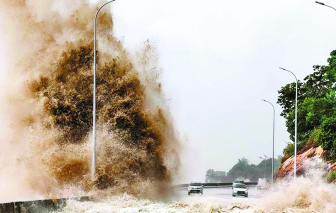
(37, 206)
(209, 185)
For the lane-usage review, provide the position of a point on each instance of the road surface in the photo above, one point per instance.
(222, 195)
(212, 200)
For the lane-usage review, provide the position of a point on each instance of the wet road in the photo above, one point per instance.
(212, 200)
(221, 195)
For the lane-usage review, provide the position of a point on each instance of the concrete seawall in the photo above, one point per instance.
(37, 206)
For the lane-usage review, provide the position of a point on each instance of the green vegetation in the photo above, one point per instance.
(243, 170)
(212, 176)
(331, 176)
(316, 109)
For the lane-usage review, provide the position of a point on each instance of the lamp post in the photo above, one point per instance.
(273, 139)
(93, 171)
(324, 4)
(295, 145)
(265, 166)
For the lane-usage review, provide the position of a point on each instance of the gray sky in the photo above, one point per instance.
(219, 58)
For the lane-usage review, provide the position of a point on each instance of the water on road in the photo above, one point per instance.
(222, 195)
(212, 200)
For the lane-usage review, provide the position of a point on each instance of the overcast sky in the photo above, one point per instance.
(219, 59)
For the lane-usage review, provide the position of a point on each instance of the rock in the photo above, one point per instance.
(332, 166)
(287, 168)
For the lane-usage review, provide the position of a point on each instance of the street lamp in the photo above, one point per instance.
(324, 4)
(93, 171)
(273, 139)
(295, 145)
(265, 166)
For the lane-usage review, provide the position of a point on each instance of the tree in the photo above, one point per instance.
(243, 170)
(316, 108)
(210, 176)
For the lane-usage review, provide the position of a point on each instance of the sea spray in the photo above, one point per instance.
(47, 107)
(126, 203)
(308, 193)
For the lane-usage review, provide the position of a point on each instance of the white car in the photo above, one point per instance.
(263, 184)
(239, 189)
(195, 188)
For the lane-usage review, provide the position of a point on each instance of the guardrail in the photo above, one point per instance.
(213, 184)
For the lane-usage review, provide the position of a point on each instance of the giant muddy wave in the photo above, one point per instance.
(47, 103)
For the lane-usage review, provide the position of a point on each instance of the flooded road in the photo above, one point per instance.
(212, 200)
(220, 192)
(221, 195)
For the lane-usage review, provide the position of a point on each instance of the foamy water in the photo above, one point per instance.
(126, 203)
(309, 193)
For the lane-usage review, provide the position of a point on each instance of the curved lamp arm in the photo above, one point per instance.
(321, 3)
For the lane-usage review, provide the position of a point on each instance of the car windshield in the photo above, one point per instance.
(240, 186)
(195, 184)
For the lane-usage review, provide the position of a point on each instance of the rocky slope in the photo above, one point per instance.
(287, 168)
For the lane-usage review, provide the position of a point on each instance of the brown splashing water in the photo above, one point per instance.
(48, 106)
